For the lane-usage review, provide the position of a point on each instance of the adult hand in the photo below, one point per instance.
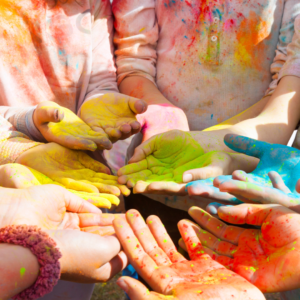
(60, 125)
(153, 254)
(171, 157)
(266, 257)
(273, 157)
(249, 191)
(20, 177)
(49, 207)
(114, 114)
(88, 258)
(73, 169)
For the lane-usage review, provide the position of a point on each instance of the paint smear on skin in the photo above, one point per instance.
(252, 31)
(22, 272)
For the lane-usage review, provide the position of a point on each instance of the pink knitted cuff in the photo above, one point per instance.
(43, 247)
(12, 148)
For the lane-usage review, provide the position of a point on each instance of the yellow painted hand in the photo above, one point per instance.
(60, 125)
(73, 169)
(114, 113)
(20, 177)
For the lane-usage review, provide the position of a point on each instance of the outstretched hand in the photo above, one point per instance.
(153, 254)
(60, 125)
(114, 114)
(266, 257)
(73, 169)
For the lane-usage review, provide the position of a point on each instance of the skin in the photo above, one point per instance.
(113, 114)
(20, 177)
(165, 163)
(153, 254)
(60, 125)
(273, 157)
(266, 257)
(73, 169)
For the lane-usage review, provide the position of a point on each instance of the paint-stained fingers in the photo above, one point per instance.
(139, 259)
(81, 186)
(137, 106)
(114, 134)
(246, 145)
(135, 127)
(92, 219)
(132, 179)
(163, 239)
(145, 237)
(191, 240)
(93, 198)
(216, 226)
(133, 168)
(242, 176)
(161, 187)
(103, 188)
(144, 150)
(140, 187)
(108, 184)
(100, 230)
(182, 244)
(92, 164)
(278, 183)
(99, 177)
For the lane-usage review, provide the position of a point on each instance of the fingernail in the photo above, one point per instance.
(123, 285)
(212, 210)
(187, 177)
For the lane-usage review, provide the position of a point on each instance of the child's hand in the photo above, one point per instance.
(88, 258)
(268, 257)
(60, 125)
(113, 113)
(152, 253)
(73, 169)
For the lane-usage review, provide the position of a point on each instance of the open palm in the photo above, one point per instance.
(266, 257)
(114, 114)
(153, 254)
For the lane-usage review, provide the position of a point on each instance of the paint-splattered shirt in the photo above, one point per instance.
(61, 53)
(212, 58)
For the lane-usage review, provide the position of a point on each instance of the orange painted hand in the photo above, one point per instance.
(165, 162)
(113, 113)
(60, 125)
(268, 257)
(73, 169)
(20, 177)
(153, 254)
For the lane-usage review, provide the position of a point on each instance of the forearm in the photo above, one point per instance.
(19, 269)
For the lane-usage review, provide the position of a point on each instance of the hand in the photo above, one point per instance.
(60, 125)
(248, 191)
(160, 118)
(153, 254)
(266, 257)
(88, 258)
(73, 169)
(20, 177)
(113, 113)
(49, 207)
(273, 157)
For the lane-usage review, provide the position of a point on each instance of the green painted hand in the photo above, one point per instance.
(113, 113)
(60, 125)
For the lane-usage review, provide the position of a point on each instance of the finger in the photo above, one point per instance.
(139, 259)
(242, 176)
(146, 238)
(112, 268)
(160, 187)
(135, 127)
(103, 188)
(212, 208)
(252, 214)
(125, 129)
(75, 143)
(77, 185)
(246, 145)
(131, 169)
(298, 186)
(182, 244)
(46, 114)
(163, 239)
(100, 230)
(98, 219)
(93, 198)
(278, 183)
(113, 133)
(192, 242)
(215, 226)
(137, 291)
(92, 164)
(137, 106)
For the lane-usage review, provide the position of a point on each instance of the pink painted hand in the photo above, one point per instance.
(60, 125)
(166, 162)
(153, 254)
(114, 114)
(268, 257)
(73, 169)
(20, 177)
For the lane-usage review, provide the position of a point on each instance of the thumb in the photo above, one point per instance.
(136, 290)
(46, 114)
(138, 106)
